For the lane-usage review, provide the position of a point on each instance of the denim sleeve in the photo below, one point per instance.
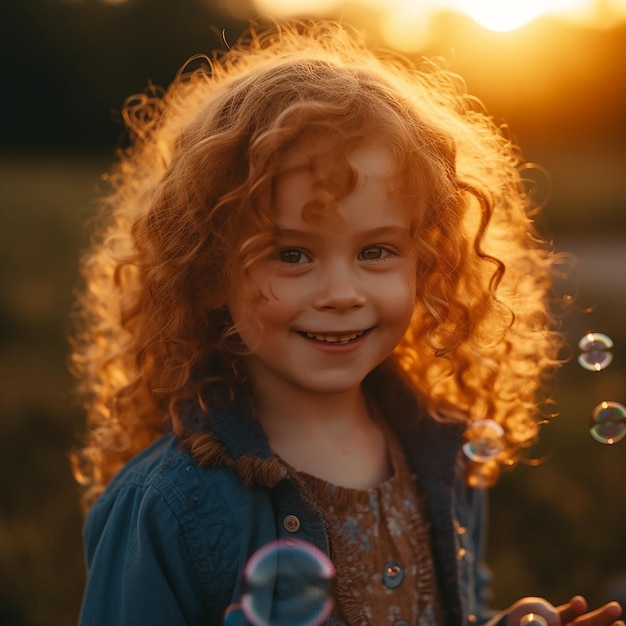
(140, 569)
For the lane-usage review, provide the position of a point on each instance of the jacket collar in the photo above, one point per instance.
(431, 446)
(238, 431)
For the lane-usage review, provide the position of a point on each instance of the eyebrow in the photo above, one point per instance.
(379, 231)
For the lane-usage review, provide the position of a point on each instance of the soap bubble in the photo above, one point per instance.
(484, 441)
(595, 341)
(608, 422)
(595, 351)
(288, 583)
(595, 360)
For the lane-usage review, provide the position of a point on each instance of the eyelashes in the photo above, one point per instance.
(293, 256)
(375, 253)
(297, 256)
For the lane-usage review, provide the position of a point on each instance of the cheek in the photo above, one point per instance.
(273, 305)
(401, 288)
(245, 308)
(398, 298)
(282, 298)
(405, 306)
(248, 329)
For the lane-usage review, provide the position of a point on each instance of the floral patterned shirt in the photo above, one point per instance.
(381, 549)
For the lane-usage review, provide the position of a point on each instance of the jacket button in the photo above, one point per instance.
(461, 553)
(472, 618)
(291, 524)
(393, 574)
(461, 530)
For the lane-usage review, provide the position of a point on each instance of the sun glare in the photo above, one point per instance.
(406, 24)
(503, 16)
(295, 7)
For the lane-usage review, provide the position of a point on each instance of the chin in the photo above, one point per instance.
(335, 387)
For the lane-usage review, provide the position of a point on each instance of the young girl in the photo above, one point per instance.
(317, 271)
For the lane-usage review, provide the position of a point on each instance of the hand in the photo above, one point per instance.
(537, 606)
(573, 613)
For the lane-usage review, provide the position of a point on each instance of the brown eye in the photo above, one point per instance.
(292, 256)
(373, 254)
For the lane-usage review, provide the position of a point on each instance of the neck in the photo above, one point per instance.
(330, 436)
(296, 413)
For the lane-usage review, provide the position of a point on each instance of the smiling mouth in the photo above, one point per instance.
(336, 339)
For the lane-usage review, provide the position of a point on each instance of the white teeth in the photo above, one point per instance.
(335, 338)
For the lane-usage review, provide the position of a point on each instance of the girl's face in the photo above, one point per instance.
(339, 287)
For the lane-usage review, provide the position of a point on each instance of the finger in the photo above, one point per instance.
(570, 611)
(604, 616)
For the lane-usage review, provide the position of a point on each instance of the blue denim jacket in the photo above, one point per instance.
(167, 541)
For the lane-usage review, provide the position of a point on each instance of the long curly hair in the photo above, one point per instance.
(187, 214)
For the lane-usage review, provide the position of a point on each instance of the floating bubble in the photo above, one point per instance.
(595, 361)
(288, 583)
(608, 422)
(484, 441)
(595, 341)
(595, 351)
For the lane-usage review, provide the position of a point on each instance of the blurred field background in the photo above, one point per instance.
(67, 66)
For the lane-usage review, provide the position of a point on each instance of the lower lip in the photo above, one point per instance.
(337, 348)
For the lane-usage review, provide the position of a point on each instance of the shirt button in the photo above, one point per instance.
(393, 574)
(291, 524)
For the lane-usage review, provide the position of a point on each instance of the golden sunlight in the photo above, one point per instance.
(295, 7)
(505, 16)
(405, 24)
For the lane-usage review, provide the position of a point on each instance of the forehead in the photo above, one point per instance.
(315, 176)
(341, 194)
(370, 159)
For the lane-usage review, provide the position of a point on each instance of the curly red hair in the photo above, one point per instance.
(188, 215)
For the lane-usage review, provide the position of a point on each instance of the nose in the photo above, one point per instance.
(339, 288)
